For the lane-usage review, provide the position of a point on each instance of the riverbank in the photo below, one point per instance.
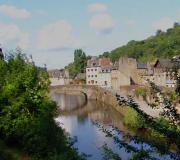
(95, 124)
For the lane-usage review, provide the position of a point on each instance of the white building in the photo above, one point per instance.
(105, 77)
(92, 75)
(98, 72)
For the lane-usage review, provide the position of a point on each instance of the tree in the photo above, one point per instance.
(176, 24)
(79, 64)
(162, 45)
(27, 113)
(158, 32)
(80, 60)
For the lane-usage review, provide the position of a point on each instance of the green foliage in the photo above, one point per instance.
(162, 45)
(133, 119)
(141, 92)
(143, 154)
(26, 112)
(108, 154)
(79, 64)
(171, 94)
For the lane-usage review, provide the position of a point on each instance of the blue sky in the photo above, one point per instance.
(50, 30)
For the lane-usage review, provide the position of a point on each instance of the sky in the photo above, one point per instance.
(50, 30)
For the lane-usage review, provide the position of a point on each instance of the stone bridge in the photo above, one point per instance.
(90, 93)
(101, 95)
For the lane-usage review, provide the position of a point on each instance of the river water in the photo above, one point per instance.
(95, 127)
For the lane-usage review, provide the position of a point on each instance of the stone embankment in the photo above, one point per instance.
(107, 96)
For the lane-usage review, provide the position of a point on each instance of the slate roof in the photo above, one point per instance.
(164, 63)
(141, 66)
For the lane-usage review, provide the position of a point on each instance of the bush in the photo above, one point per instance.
(133, 119)
(141, 92)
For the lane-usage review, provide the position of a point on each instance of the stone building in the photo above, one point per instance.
(128, 67)
(162, 76)
(103, 73)
(58, 77)
(145, 72)
(119, 79)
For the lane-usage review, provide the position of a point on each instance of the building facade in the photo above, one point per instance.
(59, 77)
(162, 76)
(98, 72)
(119, 79)
(92, 75)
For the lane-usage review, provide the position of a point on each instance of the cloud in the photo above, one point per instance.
(13, 12)
(56, 36)
(102, 23)
(163, 23)
(11, 34)
(97, 8)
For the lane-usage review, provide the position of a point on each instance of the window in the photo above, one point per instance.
(92, 81)
(88, 70)
(106, 70)
(88, 75)
(95, 75)
(96, 82)
(95, 69)
(89, 82)
(92, 76)
(91, 69)
(105, 82)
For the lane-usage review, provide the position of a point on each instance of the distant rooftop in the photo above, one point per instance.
(58, 73)
(164, 63)
(141, 66)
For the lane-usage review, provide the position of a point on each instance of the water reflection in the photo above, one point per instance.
(68, 102)
(95, 125)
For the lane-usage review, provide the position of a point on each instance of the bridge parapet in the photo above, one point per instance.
(91, 92)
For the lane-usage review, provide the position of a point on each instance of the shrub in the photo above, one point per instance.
(133, 119)
(140, 92)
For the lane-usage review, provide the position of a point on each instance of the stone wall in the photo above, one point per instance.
(128, 66)
(119, 79)
(92, 93)
(59, 81)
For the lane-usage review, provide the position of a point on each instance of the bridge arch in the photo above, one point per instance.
(90, 93)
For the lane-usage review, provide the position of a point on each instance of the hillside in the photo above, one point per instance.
(162, 45)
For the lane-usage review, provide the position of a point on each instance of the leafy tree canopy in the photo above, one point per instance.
(162, 45)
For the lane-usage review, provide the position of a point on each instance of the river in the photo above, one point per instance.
(95, 127)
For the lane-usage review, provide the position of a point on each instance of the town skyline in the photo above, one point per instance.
(51, 32)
